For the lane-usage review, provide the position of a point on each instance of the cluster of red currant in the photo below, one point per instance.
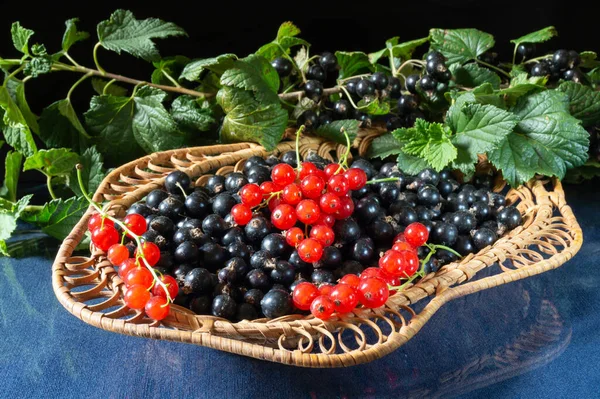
(372, 287)
(144, 290)
(310, 195)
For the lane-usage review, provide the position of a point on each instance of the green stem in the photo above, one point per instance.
(290, 59)
(344, 161)
(298, 133)
(493, 67)
(70, 59)
(13, 74)
(434, 247)
(515, 54)
(543, 57)
(98, 67)
(107, 85)
(84, 77)
(384, 180)
(350, 98)
(170, 78)
(33, 208)
(49, 184)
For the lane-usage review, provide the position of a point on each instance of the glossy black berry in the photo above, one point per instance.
(201, 304)
(171, 208)
(406, 215)
(308, 118)
(346, 230)
(464, 245)
(497, 200)
(332, 258)
(380, 80)
(261, 260)
(341, 109)
(435, 56)
(411, 83)
(429, 176)
(574, 75)
(276, 303)
(540, 69)
(245, 311)
(186, 252)
(574, 59)
(389, 192)
(328, 61)
(196, 205)
(155, 197)
(163, 225)
(407, 103)
(351, 85)
(177, 181)
(316, 72)
(258, 174)
(197, 281)
(560, 59)
(464, 221)
(444, 234)
(394, 123)
(509, 217)
(180, 271)
(298, 263)
(483, 237)
(525, 50)
(275, 244)
(445, 187)
(313, 89)
(283, 66)
(436, 68)
(427, 83)
(429, 195)
(224, 306)
(235, 181)
(325, 118)
(257, 229)
(395, 87)
(214, 226)
(234, 234)
(443, 78)
(213, 256)
(284, 273)
(253, 161)
(366, 210)
(481, 210)
(239, 249)
(320, 276)
(365, 88)
(381, 231)
(253, 297)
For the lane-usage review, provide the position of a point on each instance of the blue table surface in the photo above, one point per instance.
(536, 338)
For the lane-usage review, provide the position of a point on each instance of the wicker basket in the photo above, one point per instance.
(89, 287)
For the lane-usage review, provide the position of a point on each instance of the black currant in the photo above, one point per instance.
(574, 59)
(351, 85)
(172, 208)
(258, 174)
(429, 195)
(186, 252)
(275, 244)
(254, 161)
(380, 80)
(238, 249)
(163, 225)
(177, 181)
(381, 231)
(197, 281)
(444, 234)
(215, 184)
(313, 89)
(196, 206)
(328, 61)
(395, 87)
(214, 226)
(366, 210)
(276, 303)
(525, 50)
(481, 210)
(320, 276)
(262, 260)
(155, 197)
(316, 72)
(483, 237)
(560, 59)
(235, 181)
(201, 304)
(253, 297)
(224, 306)
(331, 259)
(283, 66)
(308, 118)
(365, 88)
(411, 83)
(464, 245)
(284, 273)
(406, 215)
(341, 109)
(407, 103)
(325, 118)
(346, 230)
(540, 69)
(234, 234)
(213, 256)
(509, 217)
(464, 221)
(435, 55)
(257, 229)
(180, 271)
(140, 209)
(427, 83)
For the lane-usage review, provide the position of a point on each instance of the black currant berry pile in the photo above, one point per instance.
(246, 272)
(563, 64)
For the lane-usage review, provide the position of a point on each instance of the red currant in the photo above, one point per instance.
(308, 211)
(330, 203)
(350, 279)
(373, 292)
(283, 174)
(344, 298)
(327, 220)
(312, 186)
(117, 254)
(304, 294)
(322, 307)
(411, 260)
(293, 236)
(151, 252)
(399, 238)
(333, 169)
(283, 217)
(136, 296)
(307, 169)
(325, 289)
(171, 284)
(139, 275)
(105, 237)
(346, 208)
(357, 178)
(136, 223)
(157, 308)
(323, 234)
(292, 194)
(251, 195)
(274, 203)
(241, 214)
(127, 266)
(96, 220)
(372, 272)
(310, 250)
(393, 263)
(403, 246)
(269, 187)
(338, 185)
(416, 234)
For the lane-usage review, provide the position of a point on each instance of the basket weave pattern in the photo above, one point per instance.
(90, 288)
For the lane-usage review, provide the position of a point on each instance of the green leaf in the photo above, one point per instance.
(99, 86)
(253, 73)
(72, 35)
(538, 36)
(594, 75)
(190, 116)
(283, 42)
(485, 94)
(304, 104)
(60, 127)
(352, 63)
(410, 164)
(38, 66)
(472, 75)
(122, 32)
(12, 169)
(478, 129)
(57, 218)
(30, 117)
(52, 162)
(587, 171)
(20, 37)
(218, 65)
(374, 107)
(92, 173)
(403, 51)
(287, 29)
(16, 131)
(249, 120)
(171, 66)
(588, 60)
(384, 146)
(333, 131)
(584, 103)
(547, 140)
(8, 221)
(460, 45)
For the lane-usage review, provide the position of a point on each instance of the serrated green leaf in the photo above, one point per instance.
(410, 164)
(110, 119)
(218, 65)
(52, 162)
(122, 32)
(547, 140)
(30, 117)
(171, 66)
(12, 169)
(403, 51)
(594, 75)
(520, 85)
(460, 45)
(99, 86)
(479, 129)
(72, 35)
(253, 73)
(333, 131)
(60, 127)
(538, 36)
(16, 131)
(384, 146)
(283, 42)
(92, 172)
(249, 120)
(472, 75)
(588, 59)
(287, 29)
(584, 103)
(428, 141)
(190, 116)
(38, 66)
(587, 171)
(57, 218)
(352, 63)
(374, 107)
(485, 94)
(20, 37)
(8, 221)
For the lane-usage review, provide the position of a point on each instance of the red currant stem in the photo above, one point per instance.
(386, 179)
(433, 247)
(298, 133)
(122, 235)
(410, 280)
(182, 190)
(344, 161)
(126, 230)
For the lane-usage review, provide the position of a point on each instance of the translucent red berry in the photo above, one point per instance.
(135, 223)
(344, 298)
(151, 252)
(416, 234)
(283, 217)
(95, 222)
(241, 214)
(322, 307)
(310, 250)
(117, 254)
(283, 174)
(171, 284)
(157, 308)
(373, 292)
(357, 178)
(338, 185)
(139, 275)
(304, 294)
(325, 289)
(372, 272)
(274, 203)
(330, 203)
(346, 208)
(411, 260)
(393, 263)
(327, 220)
(403, 246)
(105, 237)
(136, 296)
(251, 195)
(333, 169)
(312, 186)
(307, 169)
(308, 211)
(269, 187)
(350, 279)
(399, 238)
(323, 234)
(293, 236)
(127, 266)
(292, 194)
